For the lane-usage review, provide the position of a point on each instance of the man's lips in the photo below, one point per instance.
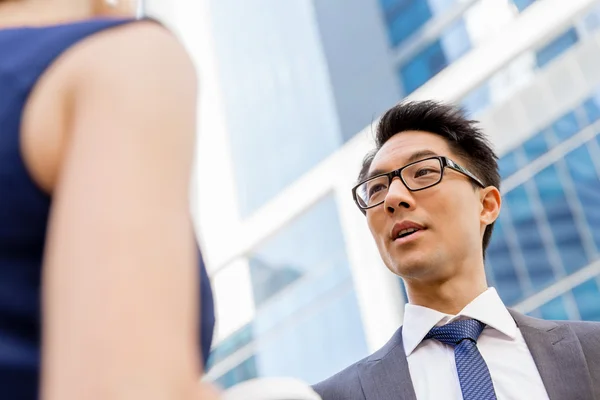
(405, 228)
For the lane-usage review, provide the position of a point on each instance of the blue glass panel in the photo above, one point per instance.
(230, 345)
(509, 164)
(406, 18)
(554, 309)
(523, 4)
(318, 343)
(441, 6)
(587, 297)
(498, 256)
(529, 238)
(566, 126)
(423, 67)
(536, 146)
(559, 215)
(318, 311)
(587, 186)
(403, 289)
(298, 297)
(489, 273)
(312, 241)
(556, 47)
(455, 40)
(240, 373)
(592, 110)
(390, 5)
(477, 100)
(276, 94)
(591, 21)
(535, 313)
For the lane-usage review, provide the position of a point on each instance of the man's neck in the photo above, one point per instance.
(447, 296)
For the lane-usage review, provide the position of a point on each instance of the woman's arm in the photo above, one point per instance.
(120, 272)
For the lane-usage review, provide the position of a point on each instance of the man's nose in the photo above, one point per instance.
(398, 196)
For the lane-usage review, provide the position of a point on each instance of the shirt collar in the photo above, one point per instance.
(487, 308)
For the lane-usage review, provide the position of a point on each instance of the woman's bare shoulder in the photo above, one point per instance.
(136, 64)
(143, 44)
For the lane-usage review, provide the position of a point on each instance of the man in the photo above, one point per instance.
(429, 191)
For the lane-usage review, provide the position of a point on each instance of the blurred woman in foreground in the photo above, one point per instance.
(98, 259)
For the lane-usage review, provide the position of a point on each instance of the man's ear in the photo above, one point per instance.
(491, 202)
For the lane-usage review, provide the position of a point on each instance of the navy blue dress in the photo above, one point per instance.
(25, 53)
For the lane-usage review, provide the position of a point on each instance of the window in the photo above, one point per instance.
(509, 164)
(403, 289)
(554, 309)
(591, 21)
(499, 258)
(390, 5)
(455, 41)
(566, 126)
(441, 6)
(536, 146)
(587, 297)
(277, 99)
(555, 48)
(230, 345)
(592, 109)
(560, 217)
(523, 4)
(405, 17)
(312, 241)
(529, 238)
(477, 100)
(240, 373)
(305, 302)
(452, 44)
(587, 187)
(320, 341)
(423, 67)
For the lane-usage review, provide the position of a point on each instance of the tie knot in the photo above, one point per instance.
(455, 332)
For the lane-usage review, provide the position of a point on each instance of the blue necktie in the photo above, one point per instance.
(473, 374)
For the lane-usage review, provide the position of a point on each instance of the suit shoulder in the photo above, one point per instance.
(588, 332)
(344, 385)
(582, 327)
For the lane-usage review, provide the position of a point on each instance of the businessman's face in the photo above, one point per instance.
(448, 216)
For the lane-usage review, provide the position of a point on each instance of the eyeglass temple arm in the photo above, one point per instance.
(460, 169)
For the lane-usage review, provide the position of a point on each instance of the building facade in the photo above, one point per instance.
(299, 285)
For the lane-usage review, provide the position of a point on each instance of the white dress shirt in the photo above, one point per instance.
(501, 344)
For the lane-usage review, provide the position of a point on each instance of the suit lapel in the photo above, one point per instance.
(558, 356)
(385, 375)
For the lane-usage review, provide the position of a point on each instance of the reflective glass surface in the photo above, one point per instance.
(556, 47)
(553, 219)
(405, 17)
(305, 302)
(523, 4)
(423, 67)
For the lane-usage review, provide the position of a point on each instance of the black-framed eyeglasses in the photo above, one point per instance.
(416, 176)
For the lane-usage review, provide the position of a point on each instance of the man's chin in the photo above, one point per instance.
(411, 266)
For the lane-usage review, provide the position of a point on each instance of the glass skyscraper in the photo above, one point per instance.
(300, 288)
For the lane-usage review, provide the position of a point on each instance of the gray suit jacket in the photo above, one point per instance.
(566, 353)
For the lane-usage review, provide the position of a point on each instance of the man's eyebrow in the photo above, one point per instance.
(416, 156)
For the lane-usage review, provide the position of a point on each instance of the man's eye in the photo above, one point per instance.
(423, 172)
(376, 188)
